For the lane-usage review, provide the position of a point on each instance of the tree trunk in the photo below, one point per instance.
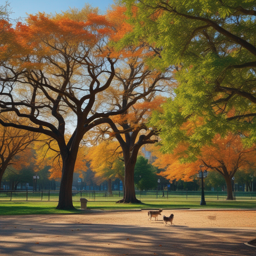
(129, 189)
(229, 188)
(65, 194)
(110, 187)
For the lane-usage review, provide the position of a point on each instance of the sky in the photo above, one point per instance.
(19, 8)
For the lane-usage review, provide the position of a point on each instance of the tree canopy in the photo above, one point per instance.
(212, 44)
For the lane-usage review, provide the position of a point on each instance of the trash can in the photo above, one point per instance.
(83, 203)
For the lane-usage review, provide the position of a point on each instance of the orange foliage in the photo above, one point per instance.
(41, 34)
(47, 154)
(225, 155)
(15, 148)
(118, 18)
(140, 112)
(103, 158)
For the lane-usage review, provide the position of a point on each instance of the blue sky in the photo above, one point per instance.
(21, 7)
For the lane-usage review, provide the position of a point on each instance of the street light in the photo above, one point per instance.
(202, 174)
(233, 181)
(36, 177)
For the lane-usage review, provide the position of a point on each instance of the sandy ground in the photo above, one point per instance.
(193, 232)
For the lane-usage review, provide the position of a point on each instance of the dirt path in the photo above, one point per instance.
(194, 232)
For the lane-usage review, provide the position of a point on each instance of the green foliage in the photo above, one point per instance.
(212, 44)
(245, 177)
(25, 175)
(214, 180)
(145, 177)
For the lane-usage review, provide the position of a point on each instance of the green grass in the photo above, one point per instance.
(28, 207)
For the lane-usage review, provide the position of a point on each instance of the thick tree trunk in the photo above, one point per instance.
(110, 187)
(65, 194)
(229, 188)
(129, 188)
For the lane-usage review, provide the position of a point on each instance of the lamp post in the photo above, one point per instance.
(233, 183)
(36, 177)
(202, 174)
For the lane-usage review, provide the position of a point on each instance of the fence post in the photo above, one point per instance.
(49, 195)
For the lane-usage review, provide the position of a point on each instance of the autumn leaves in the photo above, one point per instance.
(79, 76)
(67, 79)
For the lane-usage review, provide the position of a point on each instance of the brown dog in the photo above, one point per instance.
(170, 219)
(154, 214)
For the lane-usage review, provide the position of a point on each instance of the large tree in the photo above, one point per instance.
(57, 69)
(212, 43)
(132, 79)
(51, 73)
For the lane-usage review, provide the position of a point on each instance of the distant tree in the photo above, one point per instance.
(226, 156)
(16, 177)
(145, 177)
(215, 180)
(246, 177)
(15, 147)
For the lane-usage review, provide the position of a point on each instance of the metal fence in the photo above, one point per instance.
(53, 195)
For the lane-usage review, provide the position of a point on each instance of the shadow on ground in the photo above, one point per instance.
(30, 237)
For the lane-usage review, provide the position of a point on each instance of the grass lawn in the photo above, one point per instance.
(37, 207)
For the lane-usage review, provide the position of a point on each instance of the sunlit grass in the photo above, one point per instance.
(28, 207)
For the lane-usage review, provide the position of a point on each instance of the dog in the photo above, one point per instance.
(170, 219)
(154, 214)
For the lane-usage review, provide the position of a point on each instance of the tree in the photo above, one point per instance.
(47, 154)
(4, 10)
(15, 147)
(145, 177)
(225, 156)
(215, 180)
(15, 177)
(135, 78)
(246, 177)
(58, 74)
(104, 160)
(212, 44)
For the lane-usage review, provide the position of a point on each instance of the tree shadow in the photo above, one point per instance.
(29, 236)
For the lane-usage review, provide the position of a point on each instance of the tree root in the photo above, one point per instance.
(125, 201)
